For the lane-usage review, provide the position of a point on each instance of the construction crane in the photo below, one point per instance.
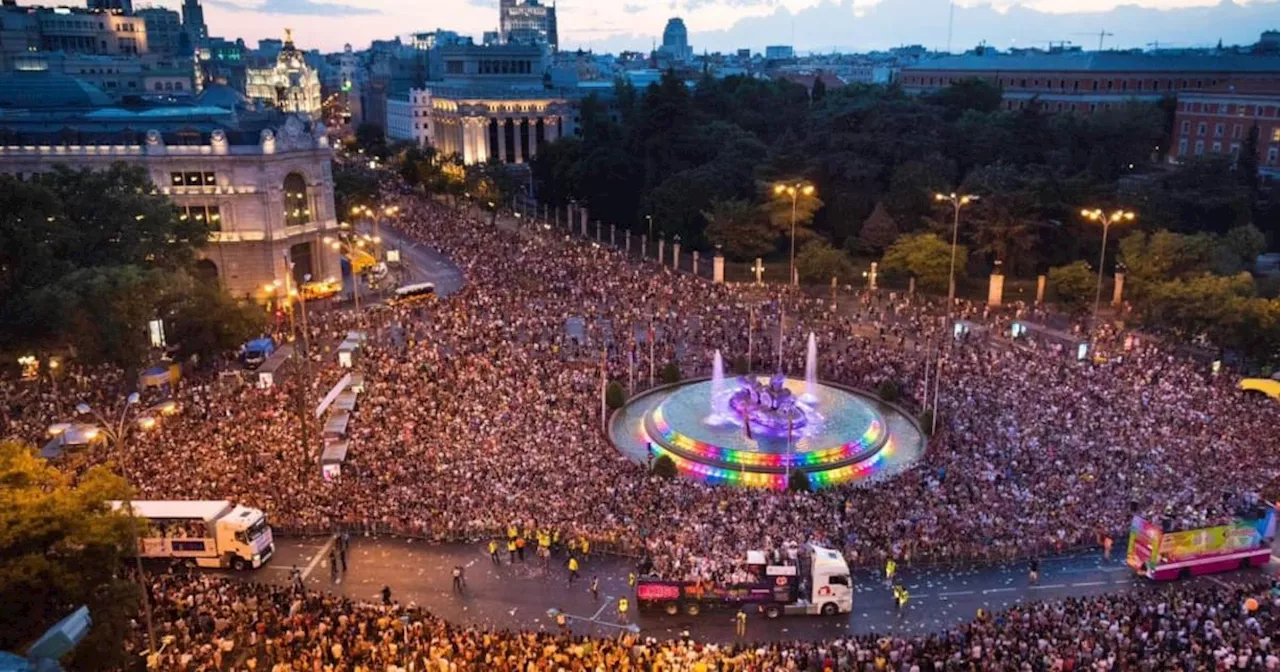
(1102, 36)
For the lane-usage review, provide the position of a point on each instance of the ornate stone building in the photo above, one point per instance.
(289, 86)
(265, 184)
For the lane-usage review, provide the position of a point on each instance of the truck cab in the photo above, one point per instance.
(244, 539)
(829, 590)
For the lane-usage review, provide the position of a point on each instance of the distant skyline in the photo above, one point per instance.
(726, 25)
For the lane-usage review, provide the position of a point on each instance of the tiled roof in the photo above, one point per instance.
(1103, 61)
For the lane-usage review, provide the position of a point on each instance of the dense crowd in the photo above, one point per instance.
(481, 412)
(211, 623)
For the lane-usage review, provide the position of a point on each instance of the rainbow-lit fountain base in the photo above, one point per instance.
(837, 435)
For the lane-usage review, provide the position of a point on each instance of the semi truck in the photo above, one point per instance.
(203, 533)
(817, 583)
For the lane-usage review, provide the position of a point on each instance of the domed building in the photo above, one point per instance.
(290, 85)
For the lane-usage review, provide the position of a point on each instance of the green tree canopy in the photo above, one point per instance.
(925, 256)
(61, 547)
(878, 231)
(740, 228)
(205, 321)
(1074, 285)
(817, 262)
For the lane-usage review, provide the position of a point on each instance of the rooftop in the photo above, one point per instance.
(46, 89)
(1104, 61)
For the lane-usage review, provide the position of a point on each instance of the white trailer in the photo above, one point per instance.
(205, 533)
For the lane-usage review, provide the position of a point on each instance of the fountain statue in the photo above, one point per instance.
(770, 407)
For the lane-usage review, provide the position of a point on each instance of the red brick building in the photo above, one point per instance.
(1088, 81)
(1217, 121)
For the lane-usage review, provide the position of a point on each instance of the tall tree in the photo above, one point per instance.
(60, 548)
(740, 229)
(926, 257)
(879, 231)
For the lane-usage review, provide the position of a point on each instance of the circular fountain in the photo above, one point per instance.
(754, 430)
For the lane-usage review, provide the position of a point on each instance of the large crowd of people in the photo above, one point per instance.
(481, 413)
(212, 623)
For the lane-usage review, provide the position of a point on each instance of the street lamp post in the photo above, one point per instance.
(794, 191)
(1107, 219)
(117, 433)
(957, 201)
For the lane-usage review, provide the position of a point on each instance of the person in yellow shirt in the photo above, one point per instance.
(573, 569)
(493, 551)
(740, 623)
(511, 550)
(623, 605)
(586, 548)
(890, 568)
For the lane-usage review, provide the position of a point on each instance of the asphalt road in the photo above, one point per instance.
(520, 595)
(423, 263)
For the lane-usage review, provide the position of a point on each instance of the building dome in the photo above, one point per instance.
(45, 89)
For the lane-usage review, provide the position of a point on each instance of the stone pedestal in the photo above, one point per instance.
(911, 286)
(598, 227)
(662, 251)
(1041, 282)
(1117, 295)
(628, 242)
(644, 245)
(675, 256)
(871, 279)
(585, 214)
(613, 235)
(717, 268)
(571, 217)
(695, 262)
(759, 269)
(995, 291)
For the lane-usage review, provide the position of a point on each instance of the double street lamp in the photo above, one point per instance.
(957, 201)
(794, 191)
(116, 434)
(1106, 219)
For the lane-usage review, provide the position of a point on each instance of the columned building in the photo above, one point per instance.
(513, 128)
(491, 103)
(264, 184)
(289, 86)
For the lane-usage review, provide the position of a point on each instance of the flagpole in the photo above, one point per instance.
(651, 339)
(604, 377)
(782, 320)
(751, 333)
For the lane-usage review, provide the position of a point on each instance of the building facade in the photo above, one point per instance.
(165, 35)
(527, 22)
(82, 31)
(675, 41)
(1218, 122)
(1089, 81)
(409, 117)
(193, 22)
(117, 76)
(290, 85)
(267, 190)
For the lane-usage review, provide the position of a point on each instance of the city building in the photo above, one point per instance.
(165, 34)
(1217, 121)
(409, 117)
(527, 22)
(264, 181)
(1085, 82)
(437, 38)
(193, 22)
(289, 85)
(83, 31)
(779, 53)
(117, 76)
(490, 103)
(118, 6)
(675, 41)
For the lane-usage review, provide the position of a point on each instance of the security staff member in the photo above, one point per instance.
(623, 605)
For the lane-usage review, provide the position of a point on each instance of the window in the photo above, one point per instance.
(453, 67)
(1217, 130)
(296, 212)
(1271, 156)
(1186, 127)
(1275, 134)
(1199, 147)
(838, 580)
(1202, 128)
(1182, 147)
(1236, 132)
(1217, 148)
(1222, 108)
(200, 213)
(1235, 152)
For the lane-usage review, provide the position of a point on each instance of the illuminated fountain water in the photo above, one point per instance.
(717, 386)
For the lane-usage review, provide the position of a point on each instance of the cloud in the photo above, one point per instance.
(629, 9)
(295, 8)
(487, 4)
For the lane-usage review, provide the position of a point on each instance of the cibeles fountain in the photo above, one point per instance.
(753, 430)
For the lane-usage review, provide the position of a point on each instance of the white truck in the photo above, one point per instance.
(818, 583)
(204, 533)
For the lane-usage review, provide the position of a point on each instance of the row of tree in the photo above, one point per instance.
(88, 258)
